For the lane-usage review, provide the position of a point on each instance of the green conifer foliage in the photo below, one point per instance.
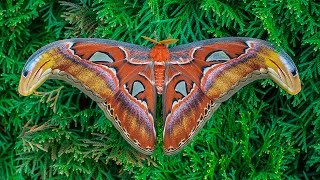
(259, 133)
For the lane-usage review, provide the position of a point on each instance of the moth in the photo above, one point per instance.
(124, 80)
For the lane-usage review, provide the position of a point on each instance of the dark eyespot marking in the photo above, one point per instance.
(294, 72)
(25, 73)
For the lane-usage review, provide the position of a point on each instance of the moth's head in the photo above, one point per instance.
(160, 52)
(162, 42)
(37, 70)
(281, 69)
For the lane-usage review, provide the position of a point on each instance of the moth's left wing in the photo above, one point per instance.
(118, 76)
(201, 75)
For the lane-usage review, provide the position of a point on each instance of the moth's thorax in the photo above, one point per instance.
(159, 54)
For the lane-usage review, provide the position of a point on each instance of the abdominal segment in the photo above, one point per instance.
(159, 71)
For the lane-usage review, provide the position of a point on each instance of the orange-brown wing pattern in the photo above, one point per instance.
(185, 109)
(118, 76)
(201, 75)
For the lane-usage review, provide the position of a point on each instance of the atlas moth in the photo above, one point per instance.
(124, 80)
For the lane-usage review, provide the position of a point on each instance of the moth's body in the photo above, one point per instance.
(159, 54)
(194, 79)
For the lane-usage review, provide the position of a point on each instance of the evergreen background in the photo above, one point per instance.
(261, 132)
